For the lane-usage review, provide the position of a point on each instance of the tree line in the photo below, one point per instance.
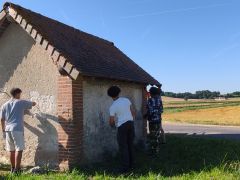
(205, 94)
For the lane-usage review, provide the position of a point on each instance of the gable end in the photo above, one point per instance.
(44, 43)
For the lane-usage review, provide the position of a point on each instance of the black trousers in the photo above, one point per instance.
(125, 138)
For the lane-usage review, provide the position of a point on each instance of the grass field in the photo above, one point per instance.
(183, 157)
(203, 111)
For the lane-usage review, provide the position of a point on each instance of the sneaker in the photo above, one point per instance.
(12, 170)
(17, 172)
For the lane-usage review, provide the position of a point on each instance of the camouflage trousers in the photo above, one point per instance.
(154, 137)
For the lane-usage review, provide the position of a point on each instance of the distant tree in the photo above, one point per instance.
(237, 93)
(186, 98)
(204, 94)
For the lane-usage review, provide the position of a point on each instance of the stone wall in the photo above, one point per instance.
(99, 139)
(26, 65)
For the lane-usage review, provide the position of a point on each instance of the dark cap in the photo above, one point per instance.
(155, 91)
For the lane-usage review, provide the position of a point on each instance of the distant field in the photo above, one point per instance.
(226, 112)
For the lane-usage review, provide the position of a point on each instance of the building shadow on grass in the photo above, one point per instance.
(182, 154)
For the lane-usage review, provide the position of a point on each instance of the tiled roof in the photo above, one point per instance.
(90, 55)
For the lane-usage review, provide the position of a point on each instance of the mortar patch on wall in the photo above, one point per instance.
(45, 103)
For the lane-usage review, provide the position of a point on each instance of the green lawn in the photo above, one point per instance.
(183, 157)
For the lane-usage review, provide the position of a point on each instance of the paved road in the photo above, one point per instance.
(229, 132)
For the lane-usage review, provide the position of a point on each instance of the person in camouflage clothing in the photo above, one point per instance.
(154, 116)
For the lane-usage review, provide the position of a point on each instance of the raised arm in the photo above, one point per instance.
(112, 121)
(112, 116)
(28, 105)
(133, 111)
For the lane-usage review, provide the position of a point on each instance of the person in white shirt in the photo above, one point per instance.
(12, 120)
(122, 115)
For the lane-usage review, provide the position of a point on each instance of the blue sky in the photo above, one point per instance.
(187, 45)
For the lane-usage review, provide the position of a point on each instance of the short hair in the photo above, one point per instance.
(113, 91)
(154, 91)
(15, 91)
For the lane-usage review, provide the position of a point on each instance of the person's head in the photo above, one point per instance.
(114, 92)
(16, 93)
(154, 91)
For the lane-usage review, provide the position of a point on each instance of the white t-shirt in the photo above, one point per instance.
(120, 108)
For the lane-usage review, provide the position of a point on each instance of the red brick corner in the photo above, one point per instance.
(70, 114)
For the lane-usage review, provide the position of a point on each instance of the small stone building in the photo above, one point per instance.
(67, 72)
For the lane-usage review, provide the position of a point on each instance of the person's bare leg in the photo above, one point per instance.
(18, 159)
(12, 159)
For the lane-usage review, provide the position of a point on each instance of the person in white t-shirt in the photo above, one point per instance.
(122, 116)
